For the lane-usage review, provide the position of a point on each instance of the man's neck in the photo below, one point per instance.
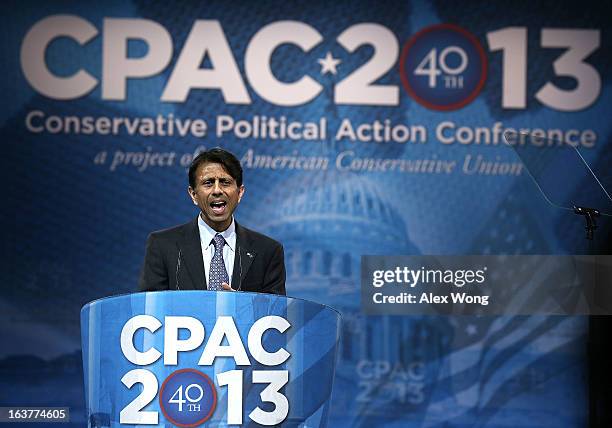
(215, 226)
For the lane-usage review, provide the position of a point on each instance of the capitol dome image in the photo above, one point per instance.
(326, 221)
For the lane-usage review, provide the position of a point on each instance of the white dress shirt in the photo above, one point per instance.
(207, 234)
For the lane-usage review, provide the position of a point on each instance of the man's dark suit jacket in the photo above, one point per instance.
(173, 261)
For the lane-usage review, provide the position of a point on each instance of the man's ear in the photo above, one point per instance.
(192, 195)
(240, 192)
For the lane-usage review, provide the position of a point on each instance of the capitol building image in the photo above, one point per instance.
(326, 222)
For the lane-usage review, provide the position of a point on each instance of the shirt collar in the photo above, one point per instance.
(207, 233)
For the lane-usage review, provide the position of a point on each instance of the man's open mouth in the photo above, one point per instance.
(218, 207)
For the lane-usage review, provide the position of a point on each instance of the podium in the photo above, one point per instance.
(206, 358)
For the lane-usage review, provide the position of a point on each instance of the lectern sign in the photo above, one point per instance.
(189, 396)
(191, 358)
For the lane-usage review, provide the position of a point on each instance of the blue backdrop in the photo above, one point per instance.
(395, 148)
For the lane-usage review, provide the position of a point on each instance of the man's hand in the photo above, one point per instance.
(227, 287)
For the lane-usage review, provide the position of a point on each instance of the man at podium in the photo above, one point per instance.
(213, 252)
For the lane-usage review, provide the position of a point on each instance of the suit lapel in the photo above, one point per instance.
(244, 257)
(191, 251)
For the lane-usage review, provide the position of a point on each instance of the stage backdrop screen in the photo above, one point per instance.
(364, 128)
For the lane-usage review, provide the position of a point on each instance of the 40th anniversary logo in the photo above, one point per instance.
(188, 397)
(443, 67)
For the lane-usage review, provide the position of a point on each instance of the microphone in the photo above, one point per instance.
(240, 267)
(178, 267)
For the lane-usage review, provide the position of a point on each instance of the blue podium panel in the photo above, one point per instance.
(204, 358)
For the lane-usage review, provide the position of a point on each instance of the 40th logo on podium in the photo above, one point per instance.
(187, 398)
(443, 67)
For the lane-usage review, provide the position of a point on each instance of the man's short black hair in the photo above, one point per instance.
(217, 155)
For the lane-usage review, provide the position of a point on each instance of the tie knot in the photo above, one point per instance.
(218, 241)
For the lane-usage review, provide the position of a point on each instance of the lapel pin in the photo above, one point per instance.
(250, 255)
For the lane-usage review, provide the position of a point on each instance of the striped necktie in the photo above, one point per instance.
(218, 273)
